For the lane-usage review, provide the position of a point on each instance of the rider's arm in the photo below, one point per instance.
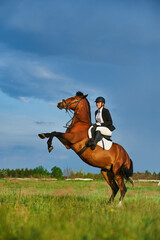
(106, 118)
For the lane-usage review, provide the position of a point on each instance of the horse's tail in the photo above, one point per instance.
(127, 172)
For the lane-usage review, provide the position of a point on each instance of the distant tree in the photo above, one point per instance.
(56, 172)
(67, 172)
(30, 172)
(8, 172)
(154, 174)
(3, 173)
(18, 172)
(80, 174)
(26, 172)
(21, 174)
(147, 172)
(12, 173)
(40, 171)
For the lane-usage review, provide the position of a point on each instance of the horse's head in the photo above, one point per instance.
(72, 102)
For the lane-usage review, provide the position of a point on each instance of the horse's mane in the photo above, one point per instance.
(79, 94)
(89, 107)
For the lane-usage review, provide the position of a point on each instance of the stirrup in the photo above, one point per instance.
(93, 146)
(90, 142)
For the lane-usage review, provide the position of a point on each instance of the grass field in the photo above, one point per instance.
(66, 210)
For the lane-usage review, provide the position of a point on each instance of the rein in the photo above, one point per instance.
(69, 110)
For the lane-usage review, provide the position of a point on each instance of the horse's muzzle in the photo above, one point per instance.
(60, 105)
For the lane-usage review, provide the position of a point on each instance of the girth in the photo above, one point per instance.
(83, 149)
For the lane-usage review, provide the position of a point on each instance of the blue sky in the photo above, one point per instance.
(51, 49)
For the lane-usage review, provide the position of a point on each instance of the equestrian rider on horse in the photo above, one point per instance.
(104, 125)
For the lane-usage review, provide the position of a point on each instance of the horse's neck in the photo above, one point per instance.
(82, 113)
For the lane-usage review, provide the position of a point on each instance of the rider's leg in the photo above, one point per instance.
(97, 138)
(104, 131)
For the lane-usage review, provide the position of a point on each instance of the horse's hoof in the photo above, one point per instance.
(50, 148)
(109, 202)
(42, 135)
(119, 204)
(131, 181)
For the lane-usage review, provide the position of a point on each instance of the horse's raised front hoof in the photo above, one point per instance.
(50, 148)
(42, 135)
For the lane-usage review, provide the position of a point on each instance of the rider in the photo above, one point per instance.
(104, 124)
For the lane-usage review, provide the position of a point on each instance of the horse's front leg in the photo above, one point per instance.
(62, 138)
(50, 138)
(49, 143)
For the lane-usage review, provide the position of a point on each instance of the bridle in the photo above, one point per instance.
(68, 104)
(68, 110)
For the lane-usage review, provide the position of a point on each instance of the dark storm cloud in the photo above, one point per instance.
(38, 35)
(91, 30)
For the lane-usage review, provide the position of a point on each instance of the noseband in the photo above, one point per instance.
(67, 105)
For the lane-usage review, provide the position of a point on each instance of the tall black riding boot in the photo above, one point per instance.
(97, 138)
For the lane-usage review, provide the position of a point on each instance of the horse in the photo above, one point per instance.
(115, 163)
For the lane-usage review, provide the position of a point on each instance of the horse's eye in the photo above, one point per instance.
(72, 98)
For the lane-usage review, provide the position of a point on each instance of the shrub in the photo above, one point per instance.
(56, 172)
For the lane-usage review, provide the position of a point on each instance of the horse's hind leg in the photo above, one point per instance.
(109, 177)
(123, 189)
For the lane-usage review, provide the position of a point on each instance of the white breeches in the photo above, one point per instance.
(104, 130)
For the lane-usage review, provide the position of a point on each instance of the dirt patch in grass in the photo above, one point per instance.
(64, 191)
(151, 193)
(145, 184)
(94, 185)
(72, 192)
(130, 194)
(28, 192)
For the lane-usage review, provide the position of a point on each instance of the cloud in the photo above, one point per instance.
(93, 31)
(23, 99)
(43, 123)
(23, 76)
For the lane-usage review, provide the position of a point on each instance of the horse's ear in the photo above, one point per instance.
(84, 96)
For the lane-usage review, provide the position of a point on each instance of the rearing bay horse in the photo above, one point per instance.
(115, 163)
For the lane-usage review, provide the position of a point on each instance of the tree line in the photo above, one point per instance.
(56, 172)
(38, 172)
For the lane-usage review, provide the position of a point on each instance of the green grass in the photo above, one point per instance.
(77, 210)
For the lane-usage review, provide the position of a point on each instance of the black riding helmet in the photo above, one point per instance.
(100, 99)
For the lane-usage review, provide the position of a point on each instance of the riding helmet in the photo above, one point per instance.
(100, 99)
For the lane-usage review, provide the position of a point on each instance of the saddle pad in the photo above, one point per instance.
(104, 143)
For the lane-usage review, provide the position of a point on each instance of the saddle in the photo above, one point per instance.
(105, 141)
